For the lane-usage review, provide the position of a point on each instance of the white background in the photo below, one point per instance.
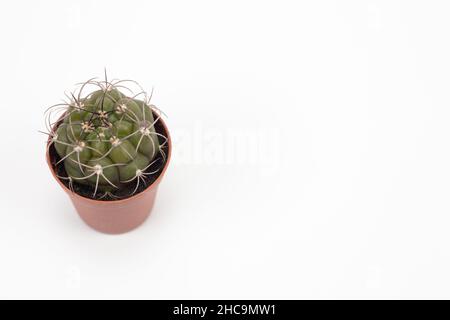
(311, 149)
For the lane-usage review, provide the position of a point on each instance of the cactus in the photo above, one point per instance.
(107, 141)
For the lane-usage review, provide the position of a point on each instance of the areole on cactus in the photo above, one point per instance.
(106, 140)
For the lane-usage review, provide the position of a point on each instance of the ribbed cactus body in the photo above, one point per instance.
(106, 139)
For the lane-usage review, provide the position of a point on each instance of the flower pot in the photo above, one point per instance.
(115, 216)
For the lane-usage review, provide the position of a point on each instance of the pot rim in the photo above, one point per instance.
(121, 201)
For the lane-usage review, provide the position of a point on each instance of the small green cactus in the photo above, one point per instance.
(107, 140)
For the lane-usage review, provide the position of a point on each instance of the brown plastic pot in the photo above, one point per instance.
(116, 216)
